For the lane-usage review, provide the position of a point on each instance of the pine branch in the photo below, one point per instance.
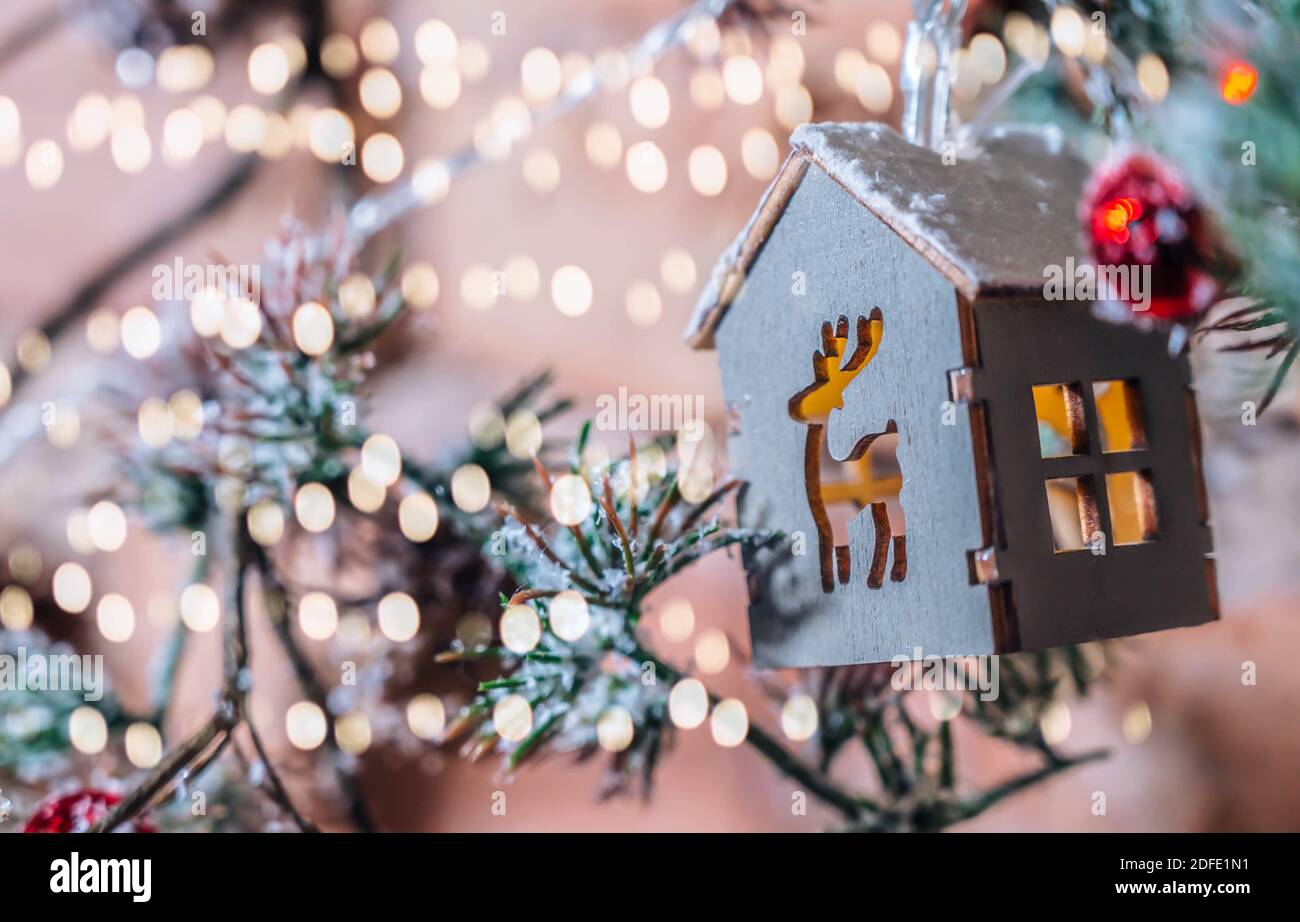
(849, 806)
(278, 791)
(207, 743)
(278, 601)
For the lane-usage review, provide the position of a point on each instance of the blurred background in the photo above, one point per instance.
(95, 161)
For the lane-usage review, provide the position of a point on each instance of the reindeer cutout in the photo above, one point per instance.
(816, 405)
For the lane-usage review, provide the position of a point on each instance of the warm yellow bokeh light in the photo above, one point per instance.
(417, 516)
(987, 57)
(265, 522)
(206, 313)
(799, 717)
(107, 525)
(1137, 723)
(703, 37)
(759, 153)
(16, 608)
(44, 164)
(72, 587)
(141, 332)
(730, 724)
(568, 616)
(330, 135)
(440, 86)
(571, 500)
(357, 295)
(318, 616)
(353, 734)
(313, 505)
(793, 106)
(87, 730)
(184, 68)
(154, 422)
(364, 494)
(712, 651)
(426, 716)
(688, 704)
(381, 459)
(470, 488)
(430, 181)
(1055, 723)
(380, 92)
(650, 103)
(677, 620)
(313, 328)
(874, 89)
(338, 55)
(212, 113)
(614, 729)
(523, 278)
(884, 42)
(512, 717)
(186, 409)
(571, 290)
(521, 629)
(144, 745)
(644, 306)
(647, 168)
(420, 285)
(268, 69)
(90, 122)
(399, 617)
(523, 433)
(1153, 77)
(380, 41)
(708, 170)
(743, 80)
(182, 137)
(436, 43)
(245, 128)
(33, 351)
(305, 725)
(1068, 31)
(241, 323)
(540, 75)
(200, 607)
(115, 618)
(382, 158)
(78, 532)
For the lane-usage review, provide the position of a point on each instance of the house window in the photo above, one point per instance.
(1098, 482)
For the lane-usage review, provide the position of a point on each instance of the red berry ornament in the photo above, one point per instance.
(77, 812)
(1136, 212)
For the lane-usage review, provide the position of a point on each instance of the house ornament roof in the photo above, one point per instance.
(990, 221)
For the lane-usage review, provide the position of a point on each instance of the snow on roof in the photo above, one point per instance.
(990, 221)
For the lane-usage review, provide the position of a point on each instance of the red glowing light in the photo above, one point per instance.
(1116, 215)
(1239, 82)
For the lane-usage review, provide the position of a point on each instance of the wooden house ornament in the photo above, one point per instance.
(1046, 485)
